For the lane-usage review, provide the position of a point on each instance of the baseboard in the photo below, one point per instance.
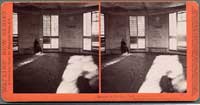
(113, 51)
(26, 51)
(157, 50)
(71, 50)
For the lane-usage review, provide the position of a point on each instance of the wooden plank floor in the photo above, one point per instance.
(42, 75)
(128, 74)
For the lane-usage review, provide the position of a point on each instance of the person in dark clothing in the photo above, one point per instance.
(166, 84)
(124, 47)
(83, 84)
(37, 47)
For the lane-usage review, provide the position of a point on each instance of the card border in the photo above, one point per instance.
(192, 68)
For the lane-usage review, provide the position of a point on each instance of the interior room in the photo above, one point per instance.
(143, 47)
(55, 47)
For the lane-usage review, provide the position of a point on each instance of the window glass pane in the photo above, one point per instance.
(95, 15)
(172, 24)
(50, 28)
(15, 48)
(95, 49)
(54, 25)
(133, 46)
(46, 40)
(181, 31)
(95, 23)
(141, 26)
(182, 43)
(102, 48)
(54, 43)
(46, 25)
(137, 28)
(15, 24)
(15, 35)
(87, 28)
(102, 36)
(133, 25)
(91, 30)
(133, 40)
(173, 44)
(95, 43)
(102, 24)
(141, 43)
(95, 29)
(15, 32)
(86, 44)
(46, 45)
(182, 16)
(177, 29)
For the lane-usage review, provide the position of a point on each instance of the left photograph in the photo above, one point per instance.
(55, 47)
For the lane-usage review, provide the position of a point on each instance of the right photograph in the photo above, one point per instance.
(144, 47)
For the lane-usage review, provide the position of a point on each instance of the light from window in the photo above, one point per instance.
(137, 32)
(141, 25)
(172, 24)
(141, 43)
(133, 25)
(91, 30)
(15, 32)
(50, 31)
(95, 22)
(95, 44)
(102, 25)
(177, 31)
(54, 25)
(15, 24)
(87, 44)
(173, 43)
(87, 24)
(46, 25)
(54, 42)
(182, 43)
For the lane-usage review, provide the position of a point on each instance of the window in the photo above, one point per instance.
(103, 44)
(137, 32)
(50, 32)
(177, 31)
(87, 31)
(91, 31)
(15, 33)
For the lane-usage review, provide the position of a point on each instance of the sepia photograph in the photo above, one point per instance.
(99, 51)
(55, 47)
(145, 47)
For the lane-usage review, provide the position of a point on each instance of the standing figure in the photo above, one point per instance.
(124, 47)
(37, 47)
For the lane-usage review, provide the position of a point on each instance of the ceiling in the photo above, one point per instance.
(142, 5)
(54, 5)
(108, 5)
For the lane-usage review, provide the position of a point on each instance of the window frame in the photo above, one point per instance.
(15, 35)
(94, 36)
(50, 36)
(177, 36)
(137, 37)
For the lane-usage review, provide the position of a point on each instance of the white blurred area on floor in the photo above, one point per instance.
(164, 65)
(77, 64)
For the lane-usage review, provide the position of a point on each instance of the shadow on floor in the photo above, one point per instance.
(42, 75)
(128, 75)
